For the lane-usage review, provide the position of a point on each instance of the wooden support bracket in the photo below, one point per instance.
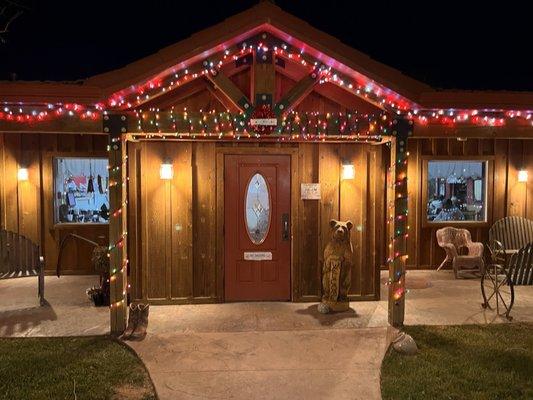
(230, 90)
(222, 99)
(297, 93)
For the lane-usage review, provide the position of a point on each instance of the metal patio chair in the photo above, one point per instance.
(497, 287)
(512, 232)
(521, 266)
(20, 257)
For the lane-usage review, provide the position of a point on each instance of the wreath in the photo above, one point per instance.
(264, 111)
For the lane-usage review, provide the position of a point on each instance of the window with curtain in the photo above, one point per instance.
(81, 188)
(456, 190)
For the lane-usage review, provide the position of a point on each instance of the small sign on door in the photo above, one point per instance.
(257, 255)
(310, 191)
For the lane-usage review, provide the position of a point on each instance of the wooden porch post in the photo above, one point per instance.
(397, 221)
(115, 126)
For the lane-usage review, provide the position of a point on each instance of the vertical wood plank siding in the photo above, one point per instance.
(178, 239)
(506, 196)
(26, 207)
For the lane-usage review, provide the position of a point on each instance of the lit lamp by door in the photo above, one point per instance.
(23, 174)
(522, 175)
(347, 170)
(166, 171)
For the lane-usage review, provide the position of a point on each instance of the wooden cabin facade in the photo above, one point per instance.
(321, 130)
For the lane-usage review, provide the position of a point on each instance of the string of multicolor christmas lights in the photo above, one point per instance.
(398, 220)
(118, 175)
(449, 117)
(358, 84)
(136, 95)
(453, 117)
(293, 126)
(37, 113)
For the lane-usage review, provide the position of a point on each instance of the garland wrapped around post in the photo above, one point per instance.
(397, 221)
(115, 126)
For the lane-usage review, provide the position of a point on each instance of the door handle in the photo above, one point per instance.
(285, 230)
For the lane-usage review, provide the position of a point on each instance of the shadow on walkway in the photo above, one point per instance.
(327, 319)
(25, 319)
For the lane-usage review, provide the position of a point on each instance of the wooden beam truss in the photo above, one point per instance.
(222, 99)
(297, 93)
(263, 78)
(222, 83)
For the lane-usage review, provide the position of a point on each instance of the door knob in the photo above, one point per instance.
(285, 230)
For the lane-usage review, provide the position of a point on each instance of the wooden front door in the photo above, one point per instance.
(257, 227)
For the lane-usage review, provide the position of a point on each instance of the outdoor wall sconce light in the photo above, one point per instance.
(348, 170)
(166, 171)
(23, 174)
(522, 175)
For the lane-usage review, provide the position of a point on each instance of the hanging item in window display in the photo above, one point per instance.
(100, 188)
(71, 199)
(104, 212)
(90, 185)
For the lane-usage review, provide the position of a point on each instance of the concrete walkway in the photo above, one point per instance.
(261, 351)
(433, 298)
(257, 350)
(289, 350)
(437, 298)
(68, 313)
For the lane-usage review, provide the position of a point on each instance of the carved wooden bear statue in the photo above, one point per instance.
(337, 268)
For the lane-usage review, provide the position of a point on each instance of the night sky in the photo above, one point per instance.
(463, 45)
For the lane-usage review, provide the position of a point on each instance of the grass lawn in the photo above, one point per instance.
(463, 362)
(71, 368)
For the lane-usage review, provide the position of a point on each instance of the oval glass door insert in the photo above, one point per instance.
(257, 209)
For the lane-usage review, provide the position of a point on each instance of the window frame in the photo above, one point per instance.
(489, 178)
(52, 156)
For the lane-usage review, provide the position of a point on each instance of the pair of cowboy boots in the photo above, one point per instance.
(137, 322)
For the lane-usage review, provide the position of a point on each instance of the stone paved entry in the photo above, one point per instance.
(261, 351)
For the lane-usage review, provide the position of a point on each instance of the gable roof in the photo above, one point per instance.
(263, 17)
(268, 17)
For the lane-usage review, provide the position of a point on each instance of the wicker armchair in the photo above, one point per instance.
(455, 241)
